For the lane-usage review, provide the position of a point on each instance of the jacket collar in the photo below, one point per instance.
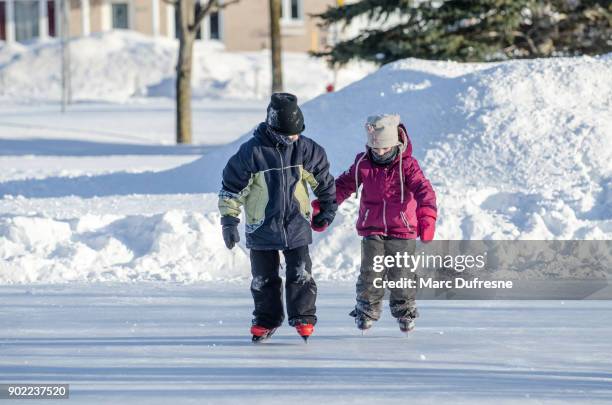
(261, 134)
(267, 139)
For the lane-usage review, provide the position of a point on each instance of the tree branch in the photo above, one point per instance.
(207, 9)
(227, 3)
(203, 12)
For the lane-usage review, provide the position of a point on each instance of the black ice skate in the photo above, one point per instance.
(363, 323)
(406, 324)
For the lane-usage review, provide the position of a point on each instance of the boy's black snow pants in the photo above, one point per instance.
(267, 287)
(369, 298)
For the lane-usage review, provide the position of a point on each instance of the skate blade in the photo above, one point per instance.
(261, 339)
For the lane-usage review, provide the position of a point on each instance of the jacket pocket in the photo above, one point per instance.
(250, 228)
(302, 199)
(255, 203)
(405, 220)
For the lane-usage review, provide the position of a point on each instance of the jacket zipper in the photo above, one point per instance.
(385, 215)
(365, 217)
(283, 192)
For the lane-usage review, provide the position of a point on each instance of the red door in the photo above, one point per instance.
(2, 20)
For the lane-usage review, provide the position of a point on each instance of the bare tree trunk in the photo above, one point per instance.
(188, 25)
(275, 44)
(186, 14)
(183, 89)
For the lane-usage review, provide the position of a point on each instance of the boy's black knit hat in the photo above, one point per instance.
(284, 116)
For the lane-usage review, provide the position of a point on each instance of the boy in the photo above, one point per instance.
(269, 176)
(397, 204)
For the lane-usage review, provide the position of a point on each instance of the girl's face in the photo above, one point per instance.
(381, 151)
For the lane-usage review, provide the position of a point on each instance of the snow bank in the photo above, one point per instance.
(116, 66)
(520, 149)
(176, 245)
(173, 246)
(515, 150)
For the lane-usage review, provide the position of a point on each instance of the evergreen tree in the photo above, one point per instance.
(471, 30)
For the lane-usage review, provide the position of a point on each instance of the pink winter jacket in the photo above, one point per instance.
(393, 198)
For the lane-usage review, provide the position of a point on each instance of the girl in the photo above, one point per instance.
(397, 205)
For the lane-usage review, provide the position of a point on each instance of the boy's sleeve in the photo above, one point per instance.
(237, 179)
(345, 184)
(320, 180)
(422, 190)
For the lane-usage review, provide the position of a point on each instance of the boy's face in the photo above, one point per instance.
(293, 138)
(381, 151)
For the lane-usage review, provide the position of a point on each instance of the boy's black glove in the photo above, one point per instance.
(230, 231)
(323, 219)
(323, 214)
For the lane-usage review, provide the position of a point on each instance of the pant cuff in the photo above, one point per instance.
(312, 320)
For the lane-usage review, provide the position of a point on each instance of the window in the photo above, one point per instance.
(120, 16)
(295, 10)
(292, 10)
(210, 27)
(2, 21)
(51, 19)
(215, 31)
(26, 20)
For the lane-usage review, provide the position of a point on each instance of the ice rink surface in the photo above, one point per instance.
(154, 343)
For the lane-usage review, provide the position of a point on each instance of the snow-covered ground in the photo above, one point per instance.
(515, 150)
(114, 276)
(121, 65)
(165, 343)
(124, 146)
(138, 127)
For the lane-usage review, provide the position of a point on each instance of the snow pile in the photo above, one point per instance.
(173, 246)
(116, 66)
(515, 150)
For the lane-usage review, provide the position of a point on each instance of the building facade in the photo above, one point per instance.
(243, 26)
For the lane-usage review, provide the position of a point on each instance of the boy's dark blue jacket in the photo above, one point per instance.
(270, 180)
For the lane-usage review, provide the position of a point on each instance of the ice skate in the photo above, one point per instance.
(304, 330)
(261, 334)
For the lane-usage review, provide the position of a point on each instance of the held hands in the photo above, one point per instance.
(230, 231)
(320, 219)
(426, 223)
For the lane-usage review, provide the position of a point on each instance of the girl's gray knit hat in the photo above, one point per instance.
(382, 130)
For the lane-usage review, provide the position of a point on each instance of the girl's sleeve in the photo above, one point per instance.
(345, 184)
(422, 190)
